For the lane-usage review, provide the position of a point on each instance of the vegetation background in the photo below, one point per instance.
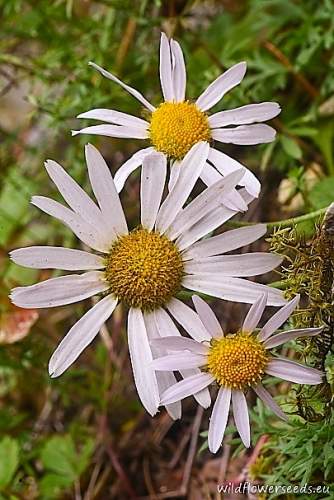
(85, 435)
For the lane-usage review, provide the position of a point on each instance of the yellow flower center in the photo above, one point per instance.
(237, 361)
(144, 269)
(176, 126)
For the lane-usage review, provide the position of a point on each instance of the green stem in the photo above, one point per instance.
(284, 222)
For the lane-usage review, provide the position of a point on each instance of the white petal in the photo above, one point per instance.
(245, 135)
(180, 344)
(269, 401)
(73, 194)
(225, 165)
(225, 242)
(188, 319)
(80, 336)
(202, 397)
(247, 264)
(245, 114)
(241, 418)
(278, 319)
(286, 336)
(187, 387)
(60, 291)
(165, 324)
(234, 289)
(217, 89)
(179, 72)
(153, 177)
(88, 234)
(166, 69)
(204, 203)
(129, 89)
(129, 166)
(233, 200)
(179, 361)
(190, 169)
(105, 192)
(219, 418)
(40, 257)
(141, 360)
(120, 131)
(174, 173)
(294, 372)
(254, 314)
(115, 117)
(207, 317)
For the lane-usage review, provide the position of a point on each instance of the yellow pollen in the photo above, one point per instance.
(144, 269)
(176, 126)
(237, 361)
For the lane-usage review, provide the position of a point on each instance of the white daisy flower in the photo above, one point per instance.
(177, 124)
(144, 268)
(234, 362)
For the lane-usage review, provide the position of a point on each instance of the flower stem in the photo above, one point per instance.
(283, 222)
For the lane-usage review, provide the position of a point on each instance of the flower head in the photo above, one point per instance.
(235, 363)
(177, 124)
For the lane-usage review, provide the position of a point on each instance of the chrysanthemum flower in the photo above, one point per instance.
(177, 123)
(235, 363)
(144, 268)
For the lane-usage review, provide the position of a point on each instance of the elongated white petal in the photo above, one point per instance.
(141, 360)
(286, 336)
(190, 169)
(269, 401)
(179, 361)
(294, 372)
(225, 242)
(202, 397)
(129, 89)
(219, 418)
(187, 387)
(180, 344)
(88, 234)
(115, 117)
(165, 325)
(174, 173)
(59, 291)
(80, 336)
(105, 192)
(251, 113)
(178, 72)
(207, 317)
(233, 200)
(217, 89)
(241, 418)
(56, 258)
(278, 319)
(254, 314)
(153, 177)
(120, 131)
(166, 79)
(73, 194)
(225, 165)
(248, 264)
(188, 319)
(204, 203)
(245, 135)
(129, 166)
(235, 289)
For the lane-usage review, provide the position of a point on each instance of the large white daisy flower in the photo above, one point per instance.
(234, 362)
(177, 124)
(144, 268)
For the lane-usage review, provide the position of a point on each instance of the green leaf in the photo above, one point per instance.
(59, 456)
(322, 193)
(9, 459)
(291, 147)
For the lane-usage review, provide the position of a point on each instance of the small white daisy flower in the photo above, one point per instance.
(177, 124)
(144, 268)
(235, 363)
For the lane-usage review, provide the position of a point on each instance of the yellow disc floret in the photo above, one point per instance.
(176, 126)
(144, 269)
(237, 361)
